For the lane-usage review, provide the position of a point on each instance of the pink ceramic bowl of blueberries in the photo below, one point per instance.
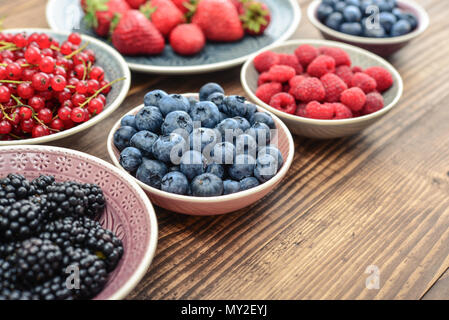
(128, 214)
(384, 46)
(217, 205)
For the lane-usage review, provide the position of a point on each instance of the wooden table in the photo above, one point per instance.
(380, 198)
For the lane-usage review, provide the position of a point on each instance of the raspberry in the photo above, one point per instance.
(345, 73)
(356, 69)
(286, 87)
(292, 61)
(374, 102)
(342, 111)
(333, 86)
(364, 82)
(281, 73)
(316, 110)
(267, 90)
(263, 78)
(383, 78)
(264, 61)
(283, 102)
(306, 54)
(301, 110)
(296, 80)
(308, 90)
(353, 98)
(340, 56)
(320, 66)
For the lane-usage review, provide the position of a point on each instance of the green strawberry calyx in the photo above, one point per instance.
(254, 16)
(92, 7)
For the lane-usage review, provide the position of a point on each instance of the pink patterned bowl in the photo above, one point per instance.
(129, 213)
(381, 46)
(213, 205)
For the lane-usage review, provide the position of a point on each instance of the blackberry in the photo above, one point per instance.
(14, 187)
(41, 183)
(16, 294)
(36, 260)
(96, 200)
(65, 232)
(66, 199)
(8, 248)
(54, 289)
(20, 220)
(91, 270)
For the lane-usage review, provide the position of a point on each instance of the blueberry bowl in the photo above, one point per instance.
(215, 205)
(383, 46)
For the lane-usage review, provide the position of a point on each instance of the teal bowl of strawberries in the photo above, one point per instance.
(180, 36)
(56, 84)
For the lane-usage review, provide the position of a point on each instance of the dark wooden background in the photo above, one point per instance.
(379, 198)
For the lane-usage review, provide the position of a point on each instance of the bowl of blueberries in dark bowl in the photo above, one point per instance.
(380, 26)
(202, 154)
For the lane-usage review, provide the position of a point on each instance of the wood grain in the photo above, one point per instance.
(379, 198)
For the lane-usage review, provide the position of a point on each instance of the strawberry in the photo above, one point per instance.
(135, 4)
(255, 17)
(164, 15)
(136, 35)
(183, 5)
(99, 14)
(219, 20)
(238, 5)
(187, 39)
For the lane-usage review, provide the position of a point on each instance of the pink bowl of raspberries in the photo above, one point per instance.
(322, 89)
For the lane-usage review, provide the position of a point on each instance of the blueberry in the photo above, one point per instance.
(207, 113)
(378, 32)
(151, 172)
(243, 167)
(266, 168)
(218, 99)
(246, 144)
(384, 6)
(251, 109)
(236, 106)
(264, 118)
(129, 121)
(352, 14)
(175, 182)
(223, 116)
(207, 185)
(364, 5)
(261, 132)
(334, 20)
(340, 6)
(324, 11)
(192, 102)
(352, 28)
(216, 169)
(122, 137)
(174, 102)
(178, 122)
(223, 153)
(231, 186)
(169, 148)
(208, 89)
(153, 98)
(243, 123)
(144, 141)
(248, 183)
(203, 139)
(149, 119)
(330, 3)
(353, 3)
(130, 159)
(387, 20)
(174, 168)
(411, 18)
(193, 163)
(274, 152)
(229, 129)
(400, 28)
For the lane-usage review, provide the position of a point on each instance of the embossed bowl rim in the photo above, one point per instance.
(235, 196)
(206, 67)
(244, 74)
(124, 70)
(143, 266)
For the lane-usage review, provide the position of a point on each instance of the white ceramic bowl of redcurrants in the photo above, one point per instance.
(202, 154)
(55, 84)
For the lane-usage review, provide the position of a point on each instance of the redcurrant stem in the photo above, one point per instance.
(16, 100)
(70, 87)
(85, 70)
(70, 56)
(13, 81)
(54, 48)
(14, 136)
(22, 65)
(99, 91)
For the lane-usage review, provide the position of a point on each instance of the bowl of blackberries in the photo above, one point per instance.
(202, 154)
(72, 227)
(380, 26)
